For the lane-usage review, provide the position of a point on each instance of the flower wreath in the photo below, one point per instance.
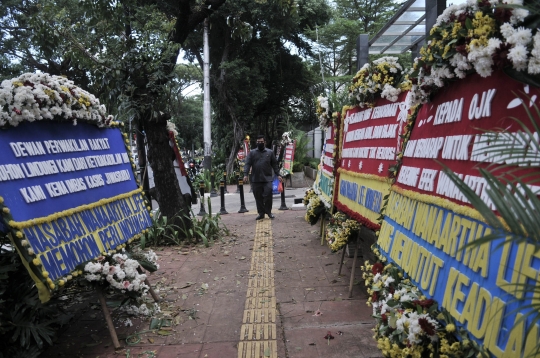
(478, 36)
(323, 111)
(408, 323)
(286, 138)
(340, 230)
(315, 207)
(40, 96)
(122, 271)
(43, 97)
(383, 77)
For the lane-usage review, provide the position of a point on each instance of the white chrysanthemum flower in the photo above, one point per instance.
(105, 268)
(534, 66)
(493, 44)
(445, 16)
(93, 267)
(92, 277)
(460, 63)
(390, 93)
(521, 36)
(120, 274)
(535, 51)
(518, 15)
(518, 56)
(507, 30)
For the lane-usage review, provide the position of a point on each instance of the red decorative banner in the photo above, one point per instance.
(241, 155)
(288, 158)
(371, 138)
(370, 142)
(451, 130)
(327, 157)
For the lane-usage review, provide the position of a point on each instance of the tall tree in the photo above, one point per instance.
(371, 15)
(125, 52)
(336, 41)
(254, 74)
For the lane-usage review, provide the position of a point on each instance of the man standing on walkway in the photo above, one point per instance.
(263, 165)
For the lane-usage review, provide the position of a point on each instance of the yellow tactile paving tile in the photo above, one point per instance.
(262, 266)
(266, 259)
(261, 274)
(262, 254)
(258, 332)
(258, 337)
(260, 302)
(252, 349)
(260, 282)
(261, 292)
(263, 315)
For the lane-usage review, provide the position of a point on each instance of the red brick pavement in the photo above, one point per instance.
(206, 322)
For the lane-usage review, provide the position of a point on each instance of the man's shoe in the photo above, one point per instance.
(259, 217)
(271, 216)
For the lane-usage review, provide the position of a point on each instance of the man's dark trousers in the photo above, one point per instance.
(262, 191)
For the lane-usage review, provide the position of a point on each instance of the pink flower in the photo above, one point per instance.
(126, 284)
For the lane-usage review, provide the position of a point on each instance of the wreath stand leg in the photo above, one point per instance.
(342, 258)
(147, 283)
(108, 319)
(354, 264)
(323, 227)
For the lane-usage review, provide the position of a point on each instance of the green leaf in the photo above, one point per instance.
(469, 24)
(523, 76)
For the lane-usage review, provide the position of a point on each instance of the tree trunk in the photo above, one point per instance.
(160, 156)
(238, 137)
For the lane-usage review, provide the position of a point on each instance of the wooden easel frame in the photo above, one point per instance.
(351, 282)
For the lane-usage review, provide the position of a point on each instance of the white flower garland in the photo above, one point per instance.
(382, 77)
(40, 96)
(286, 138)
(323, 110)
(119, 271)
(522, 45)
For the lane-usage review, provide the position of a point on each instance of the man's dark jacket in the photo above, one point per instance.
(263, 165)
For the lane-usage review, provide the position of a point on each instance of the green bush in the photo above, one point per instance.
(162, 232)
(26, 325)
(298, 167)
(206, 229)
(301, 150)
(312, 162)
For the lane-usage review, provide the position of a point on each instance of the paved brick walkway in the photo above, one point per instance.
(254, 293)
